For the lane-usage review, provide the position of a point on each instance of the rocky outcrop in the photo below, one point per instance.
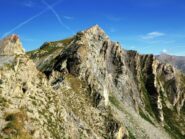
(9, 48)
(89, 87)
(176, 61)
(11, 45)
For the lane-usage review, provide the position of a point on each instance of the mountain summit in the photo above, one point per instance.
(87, 86)
(95, 30)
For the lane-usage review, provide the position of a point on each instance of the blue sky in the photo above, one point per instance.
(148, 26)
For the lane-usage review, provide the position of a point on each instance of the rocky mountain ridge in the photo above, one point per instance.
(176, 61)
(89, 85)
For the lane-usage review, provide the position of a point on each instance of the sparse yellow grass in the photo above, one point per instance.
(15, 126)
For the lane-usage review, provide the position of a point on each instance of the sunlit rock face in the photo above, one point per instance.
(9, 48)
(11, 45)
(88, 86)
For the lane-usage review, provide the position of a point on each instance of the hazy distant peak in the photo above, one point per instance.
(176, 61)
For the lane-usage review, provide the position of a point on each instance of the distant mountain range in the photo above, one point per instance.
(176, 61)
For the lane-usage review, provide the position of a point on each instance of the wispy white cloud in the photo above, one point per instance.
(164, 50)
(68, 17)
(57, 16)
(152, 35)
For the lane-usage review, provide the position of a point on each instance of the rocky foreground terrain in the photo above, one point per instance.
(88, 87)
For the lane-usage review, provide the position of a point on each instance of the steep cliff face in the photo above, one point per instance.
(89, 85)
(162, 90)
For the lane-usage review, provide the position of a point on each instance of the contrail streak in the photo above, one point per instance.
(29, 20)
(57, 16)
(23, 23)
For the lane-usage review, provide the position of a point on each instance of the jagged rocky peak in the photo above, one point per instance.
(95, 31)
(11, 45)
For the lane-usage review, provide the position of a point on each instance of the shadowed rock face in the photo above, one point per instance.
(91, 86)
